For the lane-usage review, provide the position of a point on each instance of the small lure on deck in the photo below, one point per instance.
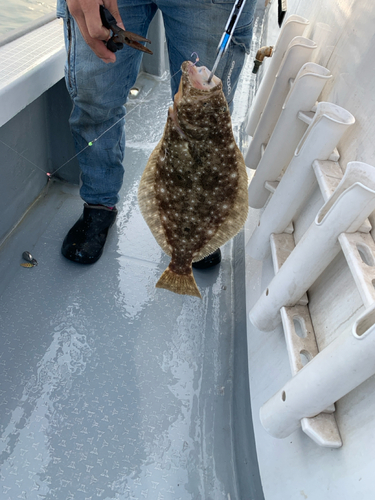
(31, 262)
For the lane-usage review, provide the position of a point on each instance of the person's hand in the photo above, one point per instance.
(87, 15)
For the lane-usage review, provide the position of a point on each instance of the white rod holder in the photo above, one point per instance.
(292, 27)
(299, 52)
(342, 366)
(313, 253)
(306, 89)
(329, 124)
(356, 171)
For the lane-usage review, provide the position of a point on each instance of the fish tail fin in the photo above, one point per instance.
(183, 284)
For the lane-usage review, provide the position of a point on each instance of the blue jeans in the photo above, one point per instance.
(99, 90)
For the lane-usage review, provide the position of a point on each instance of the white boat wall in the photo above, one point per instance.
(310, 253)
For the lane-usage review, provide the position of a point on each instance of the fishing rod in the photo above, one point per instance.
(227, 35)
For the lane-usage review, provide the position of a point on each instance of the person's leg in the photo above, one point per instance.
(197, 26)
(99, 92)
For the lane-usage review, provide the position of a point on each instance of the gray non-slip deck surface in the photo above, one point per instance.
(111, 388)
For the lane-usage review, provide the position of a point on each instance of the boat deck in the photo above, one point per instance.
(110, 388)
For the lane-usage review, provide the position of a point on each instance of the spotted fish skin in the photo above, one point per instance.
(193, 192)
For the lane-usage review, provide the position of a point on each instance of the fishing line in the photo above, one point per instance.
(21, 155)
(90, 143)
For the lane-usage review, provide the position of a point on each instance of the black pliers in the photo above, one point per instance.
(120, 36)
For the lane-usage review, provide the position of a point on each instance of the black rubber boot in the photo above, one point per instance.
(211, 260)
(85, 241)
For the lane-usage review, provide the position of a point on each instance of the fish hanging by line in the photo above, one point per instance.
(193, 192)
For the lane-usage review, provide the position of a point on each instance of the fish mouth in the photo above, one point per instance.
(199, 75)
(195, 77)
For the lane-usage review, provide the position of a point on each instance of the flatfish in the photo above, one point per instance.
(193, 191)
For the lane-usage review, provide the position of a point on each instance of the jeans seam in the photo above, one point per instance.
(70, 57)
(69, 28)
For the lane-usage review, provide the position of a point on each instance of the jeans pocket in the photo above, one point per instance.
(242, 36)
(246, 18)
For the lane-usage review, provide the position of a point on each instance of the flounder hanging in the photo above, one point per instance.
(193, 192)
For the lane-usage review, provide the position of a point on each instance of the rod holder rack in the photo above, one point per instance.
(351, 197)
(302, 347)
(298, 182)
(299, 52)
(294, 26)
(286, 174)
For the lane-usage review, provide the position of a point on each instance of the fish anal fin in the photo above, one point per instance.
(184, 284)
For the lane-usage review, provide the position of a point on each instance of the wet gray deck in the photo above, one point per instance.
(111, 388)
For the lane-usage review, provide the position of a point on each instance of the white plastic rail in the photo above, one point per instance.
(342, 366)
(300, 51)
(321, 137)
(292, 27)
(305, 90)
(345, 211)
